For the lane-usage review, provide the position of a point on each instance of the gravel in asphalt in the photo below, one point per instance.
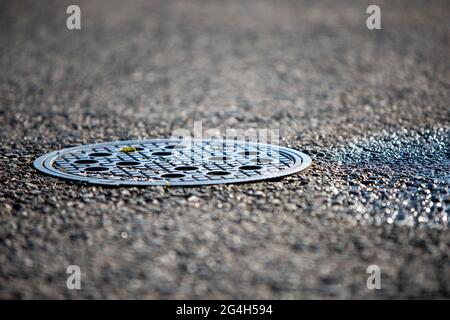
(370, 107)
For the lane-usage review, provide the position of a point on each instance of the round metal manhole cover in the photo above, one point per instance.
(172, 162)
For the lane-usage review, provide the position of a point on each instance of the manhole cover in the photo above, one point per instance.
(172, 162)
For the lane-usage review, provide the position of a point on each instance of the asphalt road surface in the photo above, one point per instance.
(371, 107)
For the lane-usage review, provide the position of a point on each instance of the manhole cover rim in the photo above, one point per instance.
(44, 164)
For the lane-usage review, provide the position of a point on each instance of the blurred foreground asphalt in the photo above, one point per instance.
(370, 107)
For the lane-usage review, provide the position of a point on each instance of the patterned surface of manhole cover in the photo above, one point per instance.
(172, 162)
